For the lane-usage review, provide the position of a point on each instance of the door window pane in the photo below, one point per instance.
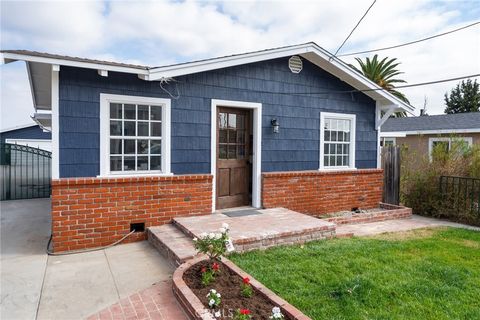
(232, 150)
(232, 120)
(222, 151)
(222, 120)
(232, 136)
(222, 136)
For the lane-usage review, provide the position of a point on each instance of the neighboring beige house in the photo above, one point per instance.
(421, 134)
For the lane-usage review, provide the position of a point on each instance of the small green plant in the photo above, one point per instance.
(242, 314)
(208, 274)
(213, 244)
(214, 298)
(277, 313)
(247, 290)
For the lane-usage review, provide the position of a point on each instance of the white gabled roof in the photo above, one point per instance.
(309, 51)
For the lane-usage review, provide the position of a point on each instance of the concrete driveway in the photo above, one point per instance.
(37, 286)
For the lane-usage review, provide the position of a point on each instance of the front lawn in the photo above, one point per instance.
(421, 274)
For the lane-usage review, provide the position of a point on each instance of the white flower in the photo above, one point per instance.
(218, 314)
(276, 310)
(222, 230)
(203, 235)
(213, 291)
(195, 239)
(219, 295)
(211, 235)
(218, 236)
(211, 303)
(225, 226)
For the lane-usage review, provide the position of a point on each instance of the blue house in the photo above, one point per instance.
(28, 135)
(223, 124)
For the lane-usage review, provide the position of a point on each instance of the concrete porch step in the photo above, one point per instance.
(172, 243)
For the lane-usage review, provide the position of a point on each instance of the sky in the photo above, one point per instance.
(160, 32)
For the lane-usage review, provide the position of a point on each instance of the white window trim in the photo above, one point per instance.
(340, 116)
(256, 148)
(386, 139)
(468, 140)
(105, 100)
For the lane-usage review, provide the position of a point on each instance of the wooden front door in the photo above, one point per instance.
(232, 158)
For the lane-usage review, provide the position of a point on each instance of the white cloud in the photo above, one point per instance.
(157, 33)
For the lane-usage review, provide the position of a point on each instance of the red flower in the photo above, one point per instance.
(215, 266)
(246, 280)
(204, 269)
(245, 311)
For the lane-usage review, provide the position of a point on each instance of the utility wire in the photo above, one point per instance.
(411, 42)
(358, 23)
(343, 91)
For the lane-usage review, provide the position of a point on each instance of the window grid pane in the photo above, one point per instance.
(135, 137)
(336, 146)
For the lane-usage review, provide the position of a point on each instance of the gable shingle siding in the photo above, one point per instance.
(296, 147)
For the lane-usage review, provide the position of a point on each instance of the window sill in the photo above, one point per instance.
(134, 174)
(337, 169)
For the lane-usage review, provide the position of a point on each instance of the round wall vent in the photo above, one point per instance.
(295, 64)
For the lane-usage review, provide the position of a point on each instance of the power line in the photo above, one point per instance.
(342, 91)
(358, 23)
(411, 42)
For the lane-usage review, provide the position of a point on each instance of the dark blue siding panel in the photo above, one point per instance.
(33, 132)
(282, 94)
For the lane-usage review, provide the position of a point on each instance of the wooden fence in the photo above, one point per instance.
(391, 176)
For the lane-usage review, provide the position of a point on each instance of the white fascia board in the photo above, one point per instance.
(10, 57)
(418, 132)
(224, 62)
(392, 134)
(30, 81)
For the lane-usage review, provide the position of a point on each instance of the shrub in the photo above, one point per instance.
(213, 244)
(420, 178)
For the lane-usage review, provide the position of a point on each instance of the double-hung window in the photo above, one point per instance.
(135, 135)
(337, 141)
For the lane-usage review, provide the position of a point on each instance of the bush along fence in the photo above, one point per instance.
(461, 198)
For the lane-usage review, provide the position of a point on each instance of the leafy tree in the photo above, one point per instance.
(465, 97)
(384, 74)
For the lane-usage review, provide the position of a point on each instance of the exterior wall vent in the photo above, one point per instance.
(295, 64)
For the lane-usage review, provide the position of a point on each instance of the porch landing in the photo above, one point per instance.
(269, 228)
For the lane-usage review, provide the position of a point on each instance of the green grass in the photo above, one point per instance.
(422, 274)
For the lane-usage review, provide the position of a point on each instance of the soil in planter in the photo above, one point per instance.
(228, 284)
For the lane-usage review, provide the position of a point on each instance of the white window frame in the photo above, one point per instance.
(393, 140)
(468, 140)
(339, 116)
(105, 100)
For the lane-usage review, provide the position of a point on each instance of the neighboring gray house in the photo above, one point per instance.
(422, 133)
(28, 135)
(229, 120)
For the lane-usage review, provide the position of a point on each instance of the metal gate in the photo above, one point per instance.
(25, 172)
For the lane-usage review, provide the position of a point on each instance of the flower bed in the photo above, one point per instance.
(383, 212)
(192, 294)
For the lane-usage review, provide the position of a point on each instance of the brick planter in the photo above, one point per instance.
(390, 212)
(197, 311)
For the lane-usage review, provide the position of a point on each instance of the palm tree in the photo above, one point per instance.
(383, 73)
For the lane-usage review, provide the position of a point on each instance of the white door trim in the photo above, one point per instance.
(257, 147)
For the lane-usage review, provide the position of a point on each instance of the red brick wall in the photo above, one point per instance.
(92, 212)
(317, 193)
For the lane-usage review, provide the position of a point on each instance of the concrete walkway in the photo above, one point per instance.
(416, 222)
(37, 286)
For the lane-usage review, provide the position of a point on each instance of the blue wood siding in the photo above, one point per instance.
(296, 147)
(33, 132)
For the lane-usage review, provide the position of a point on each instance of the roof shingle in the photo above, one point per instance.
(458, 121)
